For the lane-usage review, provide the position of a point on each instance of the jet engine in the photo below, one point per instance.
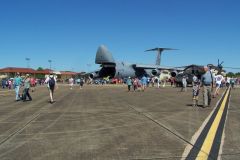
(94, 74)
(155, 72)
(174, 73)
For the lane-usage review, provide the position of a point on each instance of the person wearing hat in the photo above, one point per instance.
(129, 83)
(26, 89)
(207, 84)
(17, 83)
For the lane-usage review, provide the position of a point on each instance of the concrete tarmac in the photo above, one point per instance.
(108, 123)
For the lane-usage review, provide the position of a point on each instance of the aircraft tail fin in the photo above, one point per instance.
(103, 56)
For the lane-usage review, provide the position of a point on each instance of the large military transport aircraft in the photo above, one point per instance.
(111, 68)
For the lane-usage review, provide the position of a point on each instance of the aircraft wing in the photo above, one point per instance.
(147, 66)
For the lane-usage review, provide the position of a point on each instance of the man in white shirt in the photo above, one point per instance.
(71, 82)
(218, 80)
(51, 83)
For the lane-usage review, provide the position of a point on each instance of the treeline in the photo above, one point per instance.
(231, 74)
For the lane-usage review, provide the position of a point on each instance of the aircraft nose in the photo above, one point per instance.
(103, 56)
(101, 48)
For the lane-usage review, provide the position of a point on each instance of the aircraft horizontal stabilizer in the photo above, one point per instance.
(160, 49)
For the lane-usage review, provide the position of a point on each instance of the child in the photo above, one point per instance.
(196, 88)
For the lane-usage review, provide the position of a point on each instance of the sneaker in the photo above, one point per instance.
(52, 102)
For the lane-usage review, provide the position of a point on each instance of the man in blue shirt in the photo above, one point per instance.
(17, 83)
(144, 82)
(207, 84)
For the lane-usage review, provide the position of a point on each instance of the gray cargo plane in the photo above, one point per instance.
(111, 68)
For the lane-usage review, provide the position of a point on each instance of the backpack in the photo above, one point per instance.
(51, 82)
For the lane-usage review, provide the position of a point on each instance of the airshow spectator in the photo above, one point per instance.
(3, 83)
(17, 84)
(195, 89)
(71, 81)
(144, 82)
(207, 83)
(26, 89)
(219, 79)
(51, 82)
(129, 83)
(184, 84)
(81, 83)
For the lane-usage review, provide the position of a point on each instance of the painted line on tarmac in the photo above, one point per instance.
(5, 95)
(148, 116)
(194, 138)
(19, 130)
(209, 141)
(7, 91)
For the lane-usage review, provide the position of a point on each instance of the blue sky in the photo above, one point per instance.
(68, 32)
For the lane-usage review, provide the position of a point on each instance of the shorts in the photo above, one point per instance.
(195, 92)
(218, 85)
(51, 88)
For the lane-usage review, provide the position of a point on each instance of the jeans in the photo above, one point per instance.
(26, 94)
(17, 92)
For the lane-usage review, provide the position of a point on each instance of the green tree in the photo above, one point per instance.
(40, 76)
(39, 69)
(230, 74)
(237, 74)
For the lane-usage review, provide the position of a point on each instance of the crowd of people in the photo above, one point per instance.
(137, 84)
(28, 82)
(9, 83)
(208, 82)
